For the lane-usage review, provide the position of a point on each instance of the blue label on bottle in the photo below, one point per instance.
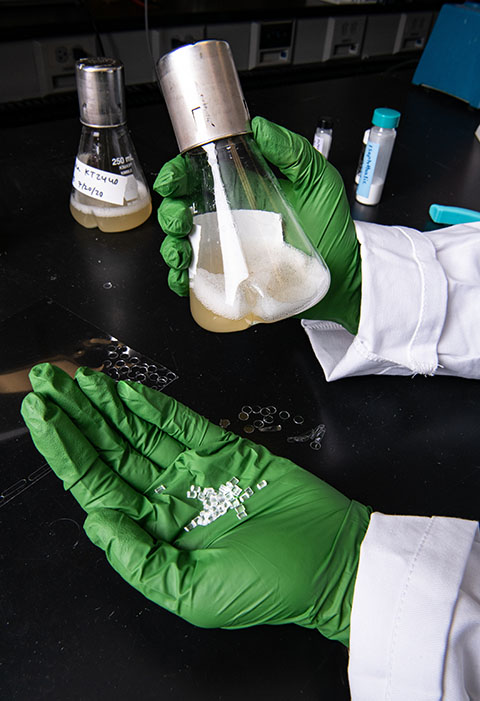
(368, 169)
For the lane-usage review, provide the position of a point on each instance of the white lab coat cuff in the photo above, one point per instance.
(403, 309)
(407, 585)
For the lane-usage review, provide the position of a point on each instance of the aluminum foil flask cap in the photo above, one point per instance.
(203, 94)
(100, 88)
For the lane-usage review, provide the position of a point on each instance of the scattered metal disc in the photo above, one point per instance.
(243, 416)
(248, 428)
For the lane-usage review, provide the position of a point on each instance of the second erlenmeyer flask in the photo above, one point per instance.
(109, 190)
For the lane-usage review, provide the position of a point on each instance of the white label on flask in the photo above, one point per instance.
(368, 169)
(99, 184)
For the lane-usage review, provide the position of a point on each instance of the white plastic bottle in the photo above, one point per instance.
(377, 155)
(322, 139)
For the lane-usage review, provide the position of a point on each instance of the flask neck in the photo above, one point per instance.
(103, 124)
(105, 130)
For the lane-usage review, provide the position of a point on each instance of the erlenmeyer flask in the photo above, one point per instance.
(252, 261)
(109, 190)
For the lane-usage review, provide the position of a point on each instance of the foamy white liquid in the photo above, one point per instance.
(282, 280)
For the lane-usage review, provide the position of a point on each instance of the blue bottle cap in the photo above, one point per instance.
(385, 117)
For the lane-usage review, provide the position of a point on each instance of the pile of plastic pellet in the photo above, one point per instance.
(216, 503)
(270, 419)
(265, 418)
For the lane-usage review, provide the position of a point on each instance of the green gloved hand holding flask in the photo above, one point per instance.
(211, 526)
(314, 190)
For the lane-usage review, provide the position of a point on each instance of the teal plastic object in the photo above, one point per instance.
(451, 59)
(442, 214)
(386, 118)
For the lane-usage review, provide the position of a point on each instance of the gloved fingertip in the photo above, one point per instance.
(134, 392)
(172, 178)
(48, 378)
(290, 152)
(178, 282)
(87, 372)
(81, 371)
(128, 389)
(88, 379)
(177, 253)
(175, 217)
(163, 183)
(261, 127)
(37, 412)
(33, 408)
(254, 123)
(99, 527)
(258, 123)
(41, 370)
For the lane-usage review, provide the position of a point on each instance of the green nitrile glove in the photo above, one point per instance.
(131, 456)
(316, 192)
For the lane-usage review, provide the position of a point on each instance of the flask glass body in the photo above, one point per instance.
(252, 262)
(109, 190)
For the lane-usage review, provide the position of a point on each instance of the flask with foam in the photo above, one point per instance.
(252, 262)
(109, 190)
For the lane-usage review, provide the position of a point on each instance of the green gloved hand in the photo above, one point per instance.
(316, 192)
(137, 461)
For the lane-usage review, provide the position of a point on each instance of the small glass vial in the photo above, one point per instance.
(377, 155)
(109, 190)
(322, 139)
(252, 262)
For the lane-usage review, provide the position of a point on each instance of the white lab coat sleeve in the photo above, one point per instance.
(415, 622)
(419, 309)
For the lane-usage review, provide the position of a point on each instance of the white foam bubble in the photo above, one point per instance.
(282, 280)
(209, 289)
(296, 283)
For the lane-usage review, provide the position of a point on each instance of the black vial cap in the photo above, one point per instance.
(325, 123)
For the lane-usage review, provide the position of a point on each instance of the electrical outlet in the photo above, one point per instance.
(165, 40)
(55, 61)
(413, 31)
(271, 43)
(344, 37)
